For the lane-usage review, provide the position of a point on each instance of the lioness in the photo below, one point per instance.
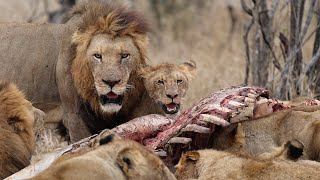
(90, 70)
(213, 164)
(301, 123)
(167, 84)
(113, 158)
(264, 134)
(16, 130)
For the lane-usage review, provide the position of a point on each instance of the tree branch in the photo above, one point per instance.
(264, 36)
(246, 44)
(308, 20)
(246, 8)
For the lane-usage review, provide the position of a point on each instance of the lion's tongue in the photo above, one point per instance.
(112, 95)
(171, 106)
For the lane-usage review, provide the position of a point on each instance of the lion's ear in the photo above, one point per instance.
(294, 149)
(79, 35)
(145, 71)
(80, 29)
(192, 155)
(75, 38)
(187, 157)
(189, 67)
(128, 160)
(105, 137)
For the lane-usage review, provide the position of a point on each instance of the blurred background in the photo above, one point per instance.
(270, 43)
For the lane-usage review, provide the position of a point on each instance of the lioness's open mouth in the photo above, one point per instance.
(171, 108)
(111, 98)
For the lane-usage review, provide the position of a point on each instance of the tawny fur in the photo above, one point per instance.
(112, 158)
(176, 80)
(301, 123)
(16, 130)
(213, 164)
(264, 134)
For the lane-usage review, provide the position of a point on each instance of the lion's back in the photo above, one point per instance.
(28, 55)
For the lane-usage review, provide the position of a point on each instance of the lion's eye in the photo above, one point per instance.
(160, 82)
(179, 81)
(97, 56)
(125, 56)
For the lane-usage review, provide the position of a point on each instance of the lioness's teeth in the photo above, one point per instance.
(171, 109)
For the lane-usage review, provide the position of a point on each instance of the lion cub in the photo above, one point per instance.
(16, 130)
(112, 157)
(167, 84)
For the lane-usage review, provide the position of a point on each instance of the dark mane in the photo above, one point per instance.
(111, 17)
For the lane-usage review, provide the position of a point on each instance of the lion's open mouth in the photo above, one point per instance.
(111, 98)
(171, 108)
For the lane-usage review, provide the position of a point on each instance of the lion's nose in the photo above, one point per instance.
(172, 96)
(111, 83)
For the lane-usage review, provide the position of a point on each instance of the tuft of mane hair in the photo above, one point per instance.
(16, 130)
(116, 19)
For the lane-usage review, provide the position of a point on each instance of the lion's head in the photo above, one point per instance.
(110, 45)
(112, 157)
(168, 83)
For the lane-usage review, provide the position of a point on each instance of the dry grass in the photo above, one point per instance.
(48, 140)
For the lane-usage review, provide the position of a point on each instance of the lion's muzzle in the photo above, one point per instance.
(109, 93)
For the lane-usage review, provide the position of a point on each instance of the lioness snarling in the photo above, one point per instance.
(112, 157)
(167, 84)
(17, 139)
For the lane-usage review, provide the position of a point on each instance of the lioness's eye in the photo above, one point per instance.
(125, 56)
(160, 82)
(97, 56)
(179, 81)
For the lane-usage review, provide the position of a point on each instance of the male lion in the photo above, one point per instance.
(167, 84)
(90, 70)
(113, 158)
(16, 130)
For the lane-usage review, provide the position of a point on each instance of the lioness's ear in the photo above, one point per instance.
(186, 157)
(189, 65)
(128, 159)
(105, 137)
(295, 149)
(193, 155)
(145, 71)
